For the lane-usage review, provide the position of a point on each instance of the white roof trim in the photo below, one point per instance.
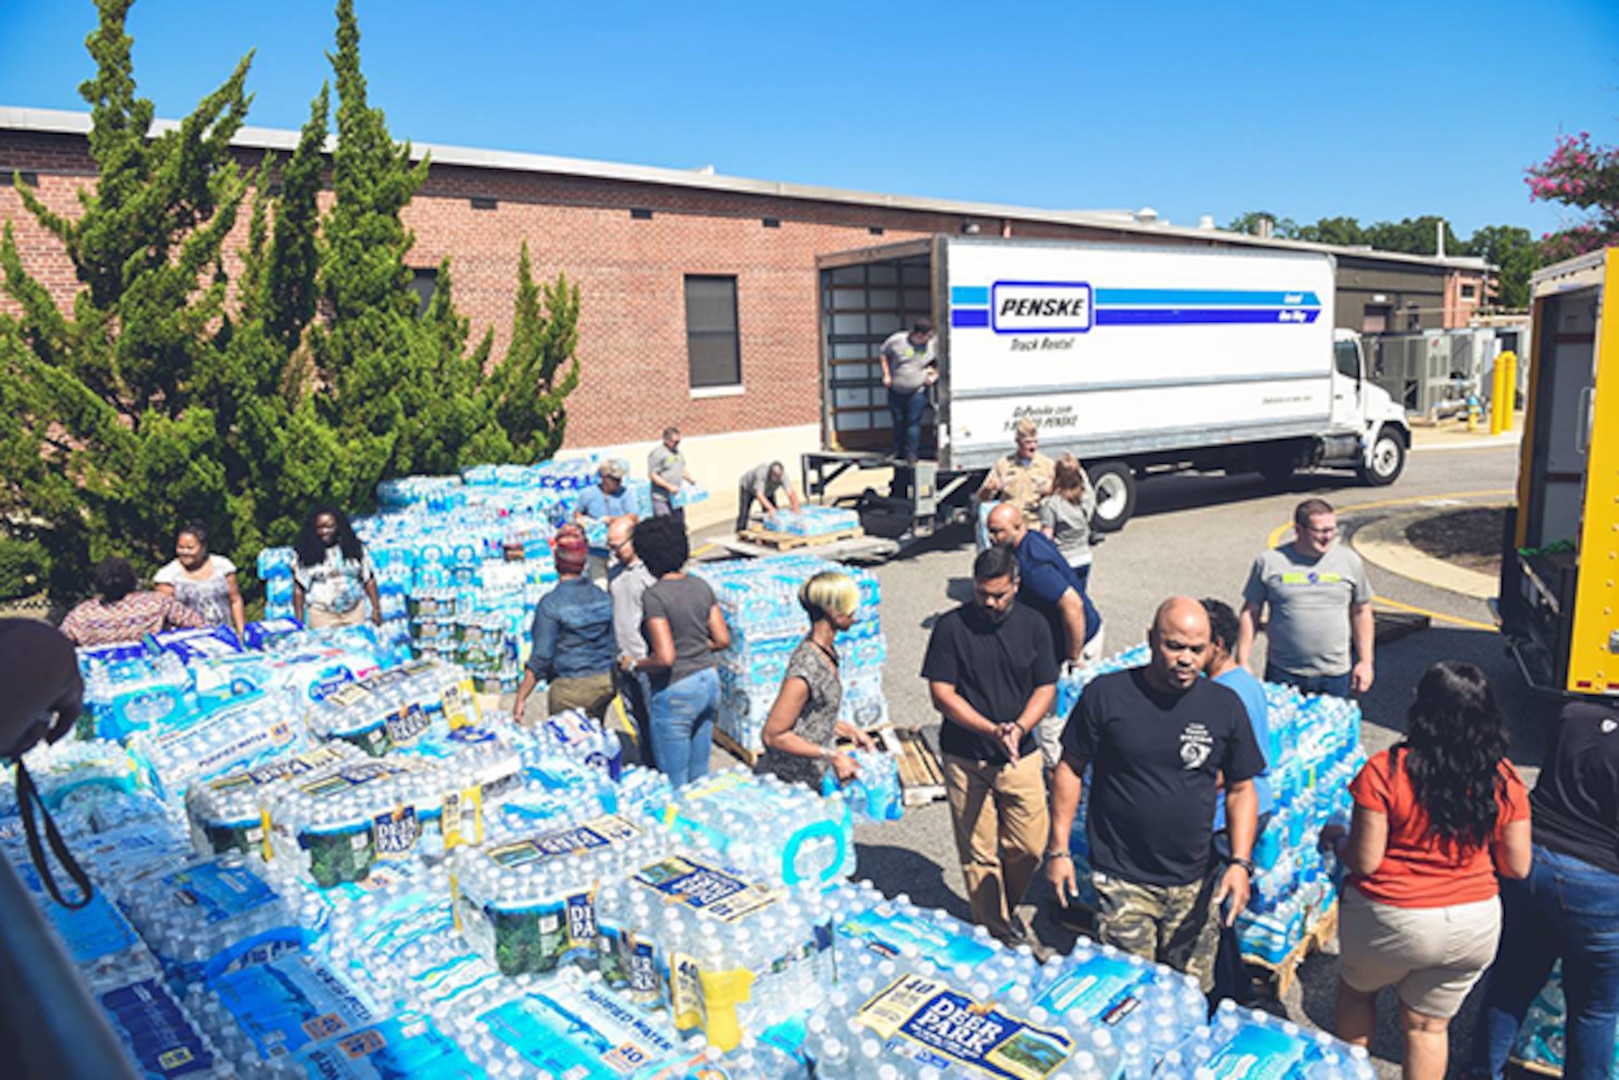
(62, 122)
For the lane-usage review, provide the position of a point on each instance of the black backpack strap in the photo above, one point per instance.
(28, 796)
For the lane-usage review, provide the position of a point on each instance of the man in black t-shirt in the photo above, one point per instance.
(1157, 739)
(992, 674)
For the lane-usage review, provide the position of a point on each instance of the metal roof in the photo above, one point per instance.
(63, 122)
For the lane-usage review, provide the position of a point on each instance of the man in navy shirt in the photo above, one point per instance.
(1051, 587)
(1159, 739)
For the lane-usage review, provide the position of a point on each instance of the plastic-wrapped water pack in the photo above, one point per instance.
(334, 824)
(768, 826)
(394, 708)
(238, 732)
(528, 904)
(1246, 1044)
(722, 952)
(227, 812)
(215, 914)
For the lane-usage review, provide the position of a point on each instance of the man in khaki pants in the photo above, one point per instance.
(992, 673)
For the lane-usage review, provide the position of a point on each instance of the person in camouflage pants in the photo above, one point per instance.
(1158, 739)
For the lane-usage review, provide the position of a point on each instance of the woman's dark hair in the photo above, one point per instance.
(114, 580)
(662, 544)
(1453, 749)
(311, 552)
(194, 529)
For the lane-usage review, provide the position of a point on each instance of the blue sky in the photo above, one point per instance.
(1373, 110)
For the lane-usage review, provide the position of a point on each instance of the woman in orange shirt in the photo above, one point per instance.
(1437, 817)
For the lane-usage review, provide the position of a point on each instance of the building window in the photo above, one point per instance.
(712, 350)
(1469, 291)
(423, 282)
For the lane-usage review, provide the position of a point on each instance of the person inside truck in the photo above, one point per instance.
(761, 486)
(1024, 477)
(908, 370)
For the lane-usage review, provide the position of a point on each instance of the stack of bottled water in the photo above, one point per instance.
(227, 812)
(760, 600)
(527, 903)
(229, 734)
(334, 824)
(395, 708)
(128, 693)
(572, 735)
(721, 951)
(767, 826)
(813, 520)
(1542, 1040)
(1314, 753)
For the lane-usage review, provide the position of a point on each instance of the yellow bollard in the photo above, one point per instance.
(1495, 397)
(1507, 365)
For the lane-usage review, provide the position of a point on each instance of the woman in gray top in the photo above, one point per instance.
(803, 723)
(684, 628)
(1065, 515)
(202, 581)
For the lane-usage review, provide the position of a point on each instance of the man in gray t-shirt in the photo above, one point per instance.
(1320, 602)
(761, 486)
(666, 469)
(908, 368)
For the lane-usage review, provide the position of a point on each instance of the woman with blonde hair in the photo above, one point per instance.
(1065, 515)
(803, 724)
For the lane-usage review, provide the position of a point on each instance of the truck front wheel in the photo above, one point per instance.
(1387, 459)
(1115, 484)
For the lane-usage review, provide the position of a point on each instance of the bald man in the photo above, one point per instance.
(1158, 738)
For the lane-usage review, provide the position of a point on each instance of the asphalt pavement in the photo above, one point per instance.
(1198, 535)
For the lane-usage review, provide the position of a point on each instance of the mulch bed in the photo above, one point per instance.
(1470, 538)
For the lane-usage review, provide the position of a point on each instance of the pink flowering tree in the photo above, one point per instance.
(1581, 174)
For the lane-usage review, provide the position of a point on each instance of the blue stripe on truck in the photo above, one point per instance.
(1203, 297)
(969, 295)
(1192, 316)
(966, 317)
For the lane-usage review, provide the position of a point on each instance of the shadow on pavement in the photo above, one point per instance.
(896, 870)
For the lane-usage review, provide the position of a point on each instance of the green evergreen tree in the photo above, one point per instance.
(527, 391)
(103, 392)
(169, 392)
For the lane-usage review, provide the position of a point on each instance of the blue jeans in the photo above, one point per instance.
(905, 411)
(1565, 907)
(1336, 685)
(683, 715)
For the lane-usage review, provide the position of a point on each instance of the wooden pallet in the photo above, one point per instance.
(1524, 1067)
(779, 541)
(921, 777)
(750, 758)
(1285, 972)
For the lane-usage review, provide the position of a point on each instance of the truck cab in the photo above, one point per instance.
(1366, 409)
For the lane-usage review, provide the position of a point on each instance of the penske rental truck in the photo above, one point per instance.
(1559, 601)
(1139, 360)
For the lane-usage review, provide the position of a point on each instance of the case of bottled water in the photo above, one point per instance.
(874, 793)
(132, 694)
(768, 826)
(227, 812)
(575, 736)
(260, 1013)
(405, 1045)
(395, 708)
(216, 914)
(527, 903)
(334, 824)
(1240, 1043)
(812, 520)
(228, 734)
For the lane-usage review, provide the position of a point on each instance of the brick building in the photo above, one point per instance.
(699, 291)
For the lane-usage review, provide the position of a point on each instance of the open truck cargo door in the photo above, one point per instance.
(1560, 563)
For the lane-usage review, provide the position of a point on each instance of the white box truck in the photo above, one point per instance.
(1137, 359)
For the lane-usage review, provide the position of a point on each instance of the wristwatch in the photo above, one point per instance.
(1246, 864)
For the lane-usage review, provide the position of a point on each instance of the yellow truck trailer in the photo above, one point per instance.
(1559, 602)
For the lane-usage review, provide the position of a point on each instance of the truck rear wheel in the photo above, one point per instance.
(1387, 459)
(1115, 484)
